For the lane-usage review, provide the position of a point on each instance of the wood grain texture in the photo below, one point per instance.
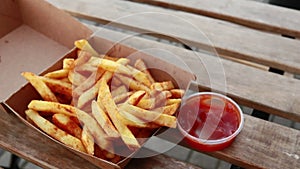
(261, 144)
(249, 13)
(31, 145)
(195, 30)
(159, 162)
(247, 85)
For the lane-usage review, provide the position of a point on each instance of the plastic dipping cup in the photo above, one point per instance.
(209, 121)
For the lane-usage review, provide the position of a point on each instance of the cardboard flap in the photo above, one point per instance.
(53, 22)
(35, 35)
(10, 15)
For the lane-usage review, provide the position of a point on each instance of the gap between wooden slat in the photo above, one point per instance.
(242, 43)
(248, 13)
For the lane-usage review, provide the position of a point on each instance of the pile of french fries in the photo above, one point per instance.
(97, 103)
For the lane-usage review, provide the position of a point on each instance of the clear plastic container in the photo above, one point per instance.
(209, 121)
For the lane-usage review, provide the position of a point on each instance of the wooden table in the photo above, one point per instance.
(252, 38)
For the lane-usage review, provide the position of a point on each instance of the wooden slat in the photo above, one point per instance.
(158, 161)
(31, 145)
(261, 144)
(249, 13)
(228, 39)
(249, 86)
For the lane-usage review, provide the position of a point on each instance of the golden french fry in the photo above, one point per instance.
(177, 93)
(122, 97)
(68, 63)
(75, 77)
(87, 141)
(65, 123)
(58, 74)
(58, 86)
(132, 84)
(91, 93)
(112, 110)
(173, 101)
(66, 79)
(150, 116)
(135, 97)
(154, 99)
(82, 58)
(109, 58)
(140, 65)
(40, 86)
(88, 83)
(131, 120)
(86, 68)
(147, 103)
(169, 109)
(166, 85)
(52, 107)
(84, 45)
(54, 131)
(103, 120)
(112, 66)
(96, 131)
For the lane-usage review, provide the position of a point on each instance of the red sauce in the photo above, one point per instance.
(209, 117)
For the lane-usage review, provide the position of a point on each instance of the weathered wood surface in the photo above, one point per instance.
(248, 86)
(261, 144)
(249, 13)
(158, 162)
(195, 30)
(31, 145)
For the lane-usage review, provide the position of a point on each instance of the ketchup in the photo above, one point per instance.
(209, 117)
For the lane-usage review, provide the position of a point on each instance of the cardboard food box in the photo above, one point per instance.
(36, 37)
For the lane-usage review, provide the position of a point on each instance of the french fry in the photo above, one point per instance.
(82, 58)
(132, 84)
(112, 110)
(86, 68)
(140, 65)
(166, 85)
(150, 116)
(40, 86)
(169, 109)
(68, 63)
(89, 115)
(173, 101)
(58, 86)
(84, 45)
(65, 123)
(135, 97)
(96, 131)
(88, 83)
(75, 77)
(131, 120)
(54, 131)
(52, 107)
(58, 74)
(154, 99)
(122, 97)
(87, 141)
(112, 66)
(147, 103)
(103, 120)
(91, 93)
(177, 93)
